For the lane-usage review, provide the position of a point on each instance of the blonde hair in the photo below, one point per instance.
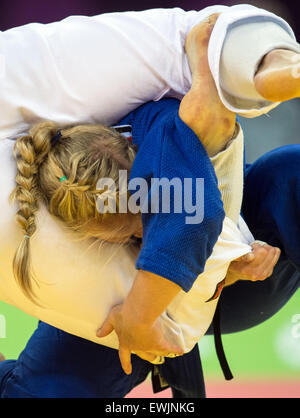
(81, 156)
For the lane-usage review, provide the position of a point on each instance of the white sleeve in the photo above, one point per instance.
(247, 236)
(241, 38)
(91, 69)
(87, 69)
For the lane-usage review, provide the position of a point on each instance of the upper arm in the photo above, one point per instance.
(181, 231)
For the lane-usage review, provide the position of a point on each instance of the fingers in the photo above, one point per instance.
(146, 356)
(125, 359)
(169, 348)
(266, 258)
(135, 337)
(158, 349)
(258, 265)
(267, 267)
(249, 257)
(165, 349)
(246, 258)
(105, 330)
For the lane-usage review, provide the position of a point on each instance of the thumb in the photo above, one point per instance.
(248, 257)
(245, 258)
(105, 330)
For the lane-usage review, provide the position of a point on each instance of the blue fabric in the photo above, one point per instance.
(271, 205)
(271, 208)
(169, 149)
(248, 304)
(55, 364)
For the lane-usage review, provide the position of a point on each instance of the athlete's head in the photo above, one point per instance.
(64, 176)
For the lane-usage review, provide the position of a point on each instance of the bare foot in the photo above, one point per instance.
(196, 47)
(2, 358)
(201, 108)
(278, 78)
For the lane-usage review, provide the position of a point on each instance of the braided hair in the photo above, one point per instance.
(81, 155)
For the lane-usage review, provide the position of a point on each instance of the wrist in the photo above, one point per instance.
(149, 298)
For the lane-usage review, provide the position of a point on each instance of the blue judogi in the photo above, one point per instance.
(169, 149)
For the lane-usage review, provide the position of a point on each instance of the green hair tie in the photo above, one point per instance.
(64, 178)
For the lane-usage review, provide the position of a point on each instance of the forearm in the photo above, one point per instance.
(149, 297)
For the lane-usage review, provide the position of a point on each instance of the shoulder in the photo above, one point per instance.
(151, 117)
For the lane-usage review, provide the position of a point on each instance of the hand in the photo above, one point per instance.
(256, 266)
(145, 340)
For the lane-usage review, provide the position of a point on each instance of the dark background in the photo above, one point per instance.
(19, 12)
(281, 127)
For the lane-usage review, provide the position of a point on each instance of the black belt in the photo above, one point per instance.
(219, 345)
(159, 384)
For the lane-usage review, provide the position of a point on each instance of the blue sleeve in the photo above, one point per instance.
(185, 213)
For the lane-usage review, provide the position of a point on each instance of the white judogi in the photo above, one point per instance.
(98, 69)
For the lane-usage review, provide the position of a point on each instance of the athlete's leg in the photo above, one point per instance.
(278, 77)
(6, 368)
(55, 364)
(260, 65)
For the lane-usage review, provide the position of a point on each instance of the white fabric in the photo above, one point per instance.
(238, 56)
(87, 69)
(246, 45)
(229, 166)
(78, 283)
